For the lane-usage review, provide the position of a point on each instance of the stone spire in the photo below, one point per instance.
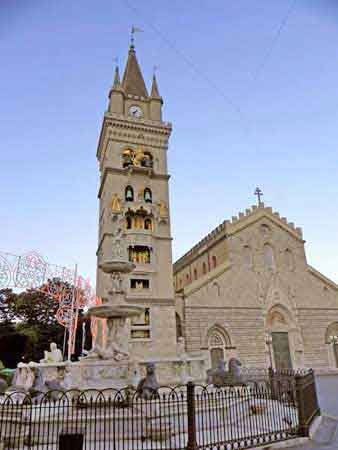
(116, 77)
(133, 82)
(154, 89)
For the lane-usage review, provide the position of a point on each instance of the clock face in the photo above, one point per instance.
(135, 111)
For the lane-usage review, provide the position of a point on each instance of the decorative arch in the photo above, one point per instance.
(147, 195)
(331, 338)
(331, 333)
(247, 257)
(129, 194)
(269, 256)
(218, 342)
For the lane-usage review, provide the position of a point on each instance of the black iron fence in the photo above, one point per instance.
(266, 407)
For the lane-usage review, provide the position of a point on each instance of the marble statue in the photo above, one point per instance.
(54, 356)
(222, 377)
(117, 247)
(148, 386)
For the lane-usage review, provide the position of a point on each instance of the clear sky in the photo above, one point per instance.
(251, 88)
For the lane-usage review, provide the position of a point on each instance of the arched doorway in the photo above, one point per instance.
(331, 338)
(278, 327)
(218, 344)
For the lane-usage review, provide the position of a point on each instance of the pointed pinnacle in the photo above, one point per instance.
(116, 77)
(154, 89)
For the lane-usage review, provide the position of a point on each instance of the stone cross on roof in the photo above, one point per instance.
(259, 194)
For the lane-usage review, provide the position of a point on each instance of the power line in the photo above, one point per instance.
(197, 70)
(274, 41)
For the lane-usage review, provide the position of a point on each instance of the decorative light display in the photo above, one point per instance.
(72, 292)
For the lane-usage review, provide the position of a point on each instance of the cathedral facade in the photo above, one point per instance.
(245, 289)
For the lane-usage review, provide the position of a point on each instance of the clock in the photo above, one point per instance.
(135, 111)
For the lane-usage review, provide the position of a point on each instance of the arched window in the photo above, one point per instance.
(129, 222)
(148, 225)
(129, 194)
(188, 278)
(195, 274)
(147, 195)
(204, 268)
(288, 259)
(139, 254)
(269, 260)
(247, 257)
(214, 261)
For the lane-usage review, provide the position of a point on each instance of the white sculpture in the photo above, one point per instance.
(54, 356)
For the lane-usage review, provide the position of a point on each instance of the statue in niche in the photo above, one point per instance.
(163, 209)
(138, 157)
(115, 204)
(52, 357)
(117, 246)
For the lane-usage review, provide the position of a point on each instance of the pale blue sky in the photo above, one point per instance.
(250, 87)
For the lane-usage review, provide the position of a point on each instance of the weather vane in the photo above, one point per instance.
(133, 31)
(259, 194)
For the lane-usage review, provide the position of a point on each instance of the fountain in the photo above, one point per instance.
(109, 363)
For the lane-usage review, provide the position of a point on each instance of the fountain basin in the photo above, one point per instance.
(115, 311)
(117, 266)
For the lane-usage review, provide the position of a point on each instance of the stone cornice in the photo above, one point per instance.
(126, 172)
(153, 235)
(322, 278)
(117, 125)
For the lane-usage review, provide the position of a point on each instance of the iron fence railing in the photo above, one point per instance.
(270, 408)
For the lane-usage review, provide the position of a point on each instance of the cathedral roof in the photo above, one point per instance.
(230, 227)
(132, 81)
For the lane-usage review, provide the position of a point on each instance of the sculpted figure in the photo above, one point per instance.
(54, 356)
(163, 209)
(117, 250)
(138, 156)
(115, 204)
(148, 386)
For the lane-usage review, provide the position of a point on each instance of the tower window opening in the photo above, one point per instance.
(138, 283)
(148, 198)
(188, 278)
(129, 194)
(129, 222)
(139, 254)
(147, 160)
(204, 268)
(148, 224)
(195, 274)
(140, 325)
(214, 261)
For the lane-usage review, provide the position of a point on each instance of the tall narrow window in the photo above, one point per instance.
(148, 225)
(269, 260)
(214, 261)
(195, 274)
(204, 268)
(147, 195)
(247, 257)
(288, 259)
(188, 278)
(129, 194)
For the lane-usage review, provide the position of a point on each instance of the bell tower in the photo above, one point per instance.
(134, 199)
